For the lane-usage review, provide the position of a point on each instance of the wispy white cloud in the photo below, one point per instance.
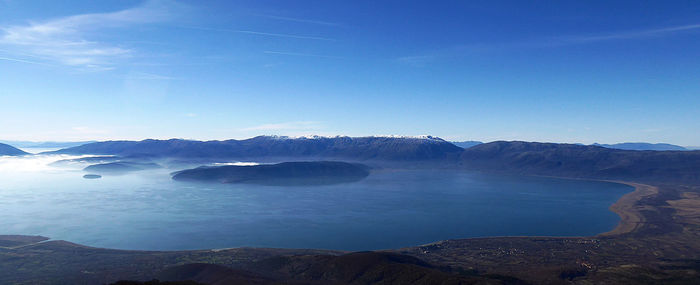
(287, 126)
(419, 60)
(23, 61)
(151, 76)
(551, 42)
(640, 34)
(71, 40)
(299, 54)
(284, 35)
(299, 20)
(259, 33)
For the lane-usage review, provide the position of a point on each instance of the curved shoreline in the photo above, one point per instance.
(536, 259)
(626, 207)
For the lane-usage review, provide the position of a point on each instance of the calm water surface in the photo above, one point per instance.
(389, 209)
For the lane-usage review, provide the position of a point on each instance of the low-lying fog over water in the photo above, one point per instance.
(389, 209)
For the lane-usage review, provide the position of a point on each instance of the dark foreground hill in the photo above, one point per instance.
(353, 268)
(158, 282)
(10, 150)
(569, 160)
(286, 173)
(359, 148)
(368, 268)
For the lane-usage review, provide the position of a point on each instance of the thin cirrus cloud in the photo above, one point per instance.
(151, 76)
(284, 35)
(299, 20)
(418, 60)
(287, 126)
(299, 54)
(23, 61)
(562, 41)
(74, 40)
(259, 33)
(650, 33)
(70, 40)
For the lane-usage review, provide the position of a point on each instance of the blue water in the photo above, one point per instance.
(389, 209)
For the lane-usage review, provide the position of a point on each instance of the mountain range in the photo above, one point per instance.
(529, 158)
(10, 150)
(357, 148)
(31, 144)
(580, 161)
(467, 144)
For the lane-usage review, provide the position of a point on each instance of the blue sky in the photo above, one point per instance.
(561, 71)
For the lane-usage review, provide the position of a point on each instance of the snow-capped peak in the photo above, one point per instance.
(313, 137)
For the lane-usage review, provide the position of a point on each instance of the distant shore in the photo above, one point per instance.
(626, 207)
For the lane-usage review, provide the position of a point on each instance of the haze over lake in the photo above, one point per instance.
(389, 209)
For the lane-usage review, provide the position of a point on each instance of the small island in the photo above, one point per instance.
(92, 176)
(281, 174)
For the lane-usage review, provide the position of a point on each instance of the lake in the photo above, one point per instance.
(389, 209)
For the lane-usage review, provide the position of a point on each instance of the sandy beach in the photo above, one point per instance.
(628, 210)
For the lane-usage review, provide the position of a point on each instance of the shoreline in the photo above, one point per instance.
(626, 207)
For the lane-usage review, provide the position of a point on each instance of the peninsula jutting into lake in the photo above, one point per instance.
(285, 173)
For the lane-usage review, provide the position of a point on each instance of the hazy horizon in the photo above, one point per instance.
(691, 147)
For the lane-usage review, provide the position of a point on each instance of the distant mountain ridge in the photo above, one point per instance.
(9, 150)
(580, 161)
(467, 144)
(30, 144)
(529, 158)
(355, 148)
(642, 146)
